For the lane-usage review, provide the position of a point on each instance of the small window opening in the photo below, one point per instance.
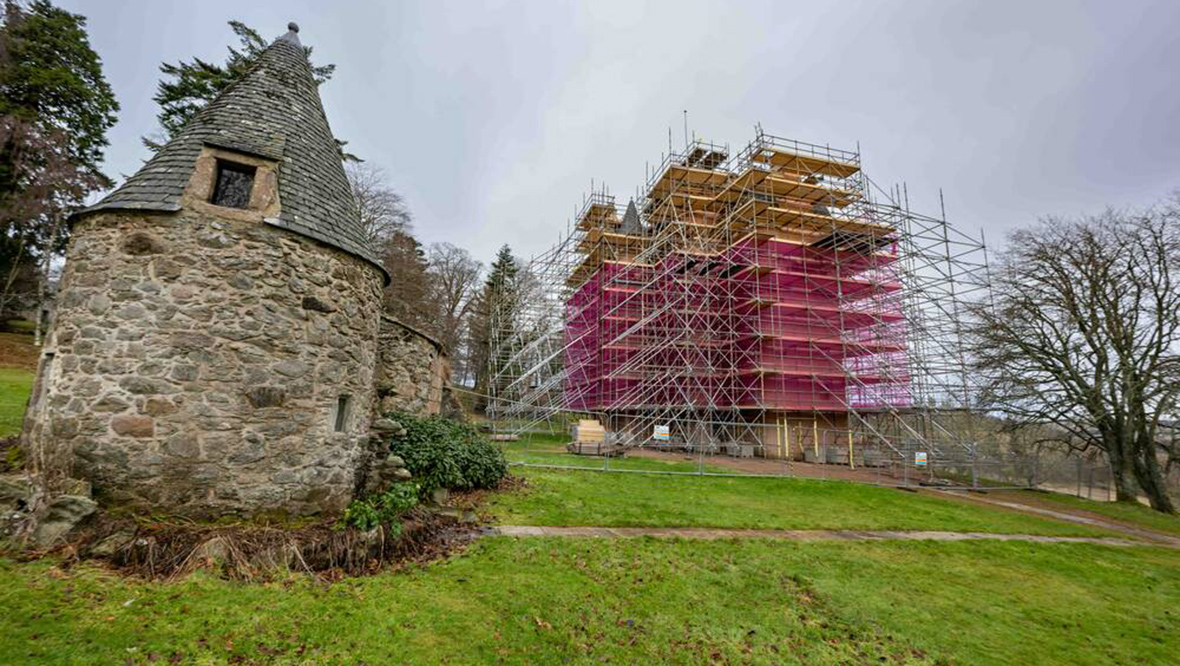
(342, 404)
(235, 182)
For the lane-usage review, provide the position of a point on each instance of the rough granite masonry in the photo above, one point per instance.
(211, 359)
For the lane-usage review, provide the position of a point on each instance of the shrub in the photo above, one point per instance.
(12, 456)
(383, 508)
(442, 453)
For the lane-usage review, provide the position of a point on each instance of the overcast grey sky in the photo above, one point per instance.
(492, 118)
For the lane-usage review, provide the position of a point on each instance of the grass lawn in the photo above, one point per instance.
(573, 497)
(642, 601)
(1132, 514)
(645, 601)
(15, 385)
(542, 457)
(22, 326)
(549, 449)
(18, 364)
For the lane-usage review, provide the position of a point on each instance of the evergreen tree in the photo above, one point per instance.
(55, 110)
(494, 320)
(50, 76)
(407, 296)
(189, 86)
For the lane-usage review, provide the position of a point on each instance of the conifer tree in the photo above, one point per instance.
(55, 110)
(407, 296)
(494, 319)
(189, 86)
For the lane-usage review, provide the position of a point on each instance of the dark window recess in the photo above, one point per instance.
(342, 404)
(234, 184)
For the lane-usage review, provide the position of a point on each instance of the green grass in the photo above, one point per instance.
(645, 601)
(23, 326)
(1133, 514)
(549, 449)
(667, 601)
(15, 386)
(561, 458)
(572, 497)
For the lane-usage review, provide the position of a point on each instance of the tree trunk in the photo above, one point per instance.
(1124, 489)
(43, 277)
(6, 295)
(1122, 475)
(1151, 480)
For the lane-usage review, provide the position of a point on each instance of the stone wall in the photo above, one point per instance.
(414, 371)
(197, 363)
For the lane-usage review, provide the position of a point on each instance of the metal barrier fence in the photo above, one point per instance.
(822, 454)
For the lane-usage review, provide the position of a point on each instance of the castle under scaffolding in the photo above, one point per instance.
(766, 303)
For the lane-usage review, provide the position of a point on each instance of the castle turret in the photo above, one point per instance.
(216, 333)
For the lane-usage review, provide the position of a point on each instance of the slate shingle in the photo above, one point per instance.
(273, 111)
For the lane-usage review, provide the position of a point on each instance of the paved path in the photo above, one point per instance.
(1160, 538)
(801, 535)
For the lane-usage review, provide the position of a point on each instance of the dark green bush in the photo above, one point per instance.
(442, 453)
(382, 508)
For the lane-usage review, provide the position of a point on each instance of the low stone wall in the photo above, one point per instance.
(414, 371)
(197, 365)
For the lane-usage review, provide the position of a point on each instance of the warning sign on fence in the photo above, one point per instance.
(920, 458)
(661, 433)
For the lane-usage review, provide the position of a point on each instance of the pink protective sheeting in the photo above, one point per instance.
(766, 324)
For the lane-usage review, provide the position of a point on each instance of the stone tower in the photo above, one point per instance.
(217, 327)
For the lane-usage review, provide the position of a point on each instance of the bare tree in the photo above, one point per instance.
(388, 230)
(1084, 335)
(44, 185)
(454, 283)
(383, 211)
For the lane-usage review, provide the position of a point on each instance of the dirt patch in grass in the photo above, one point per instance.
(478, 501)
(260, 553)
(17, 351)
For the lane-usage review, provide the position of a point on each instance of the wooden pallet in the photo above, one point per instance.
(596, 449)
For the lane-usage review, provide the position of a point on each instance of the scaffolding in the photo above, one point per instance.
(771, 303)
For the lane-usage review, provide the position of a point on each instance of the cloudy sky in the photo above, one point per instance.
(493, 118)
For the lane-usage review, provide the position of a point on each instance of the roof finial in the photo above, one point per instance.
(292, 34)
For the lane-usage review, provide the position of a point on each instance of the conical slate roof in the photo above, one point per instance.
(631, 224)
(273, 111)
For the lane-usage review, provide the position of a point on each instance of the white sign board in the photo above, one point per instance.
(661, 433)
(920, 458)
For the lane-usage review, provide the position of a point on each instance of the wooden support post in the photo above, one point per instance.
(815, 437)
(778, 437)
(782, 438)
(851, 464)
(787, 436)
